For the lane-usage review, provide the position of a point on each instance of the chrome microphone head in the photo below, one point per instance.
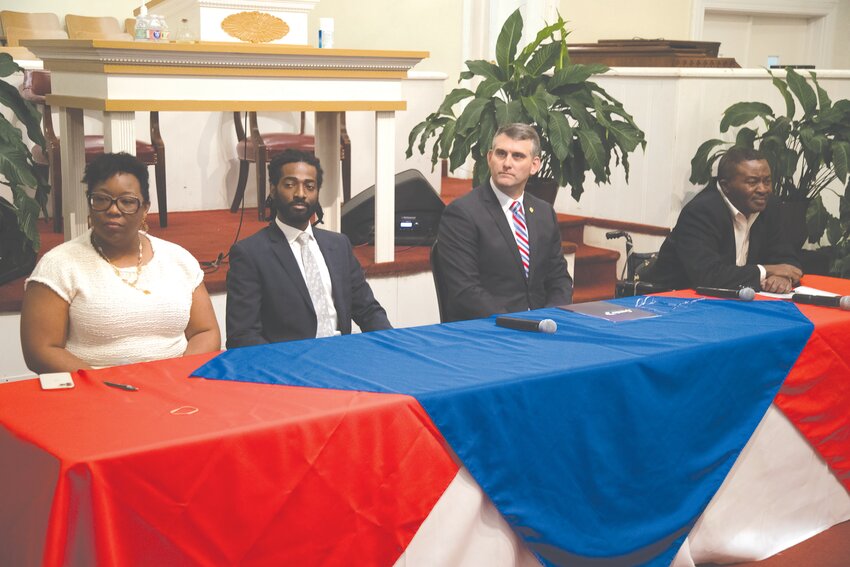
(747, 294)
(548, 326)
(844, 303)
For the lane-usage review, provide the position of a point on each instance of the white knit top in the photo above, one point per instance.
(112, 323)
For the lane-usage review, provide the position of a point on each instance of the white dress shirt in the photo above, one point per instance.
(291, 234)
(505, 202)
(742, 225)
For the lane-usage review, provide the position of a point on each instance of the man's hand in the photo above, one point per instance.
(781, 278)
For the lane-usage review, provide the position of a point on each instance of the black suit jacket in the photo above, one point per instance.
(700, 251)
(480, 264)
(268, 300)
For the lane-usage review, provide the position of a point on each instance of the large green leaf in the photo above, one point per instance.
(790, 107)
(508, 113)
(841, 159)
(816, 218)
(537, 108)
(446, 139)
(485, 69)
(8, 65)
(701, 163)
(470, 115)
(452, 99)
(834, 231)
(25, 112)
(575, 74)
(488, 88)
(15, 159)
(487, 129)
(824, 101)
(593, 150)
(27, 212)
(742, 112)
(506, 44)
(542, 35)
(802, 90)
(560, 134)
(745, 138)
(628, 136)
(543, 59)
(411, 138)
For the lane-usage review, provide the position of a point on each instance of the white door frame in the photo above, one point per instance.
(821, 28)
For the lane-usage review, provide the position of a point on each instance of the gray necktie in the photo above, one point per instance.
(313, 279)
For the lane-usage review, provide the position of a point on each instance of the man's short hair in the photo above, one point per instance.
(293, 156)
(734, 156)
(519, 131)
(105, 166)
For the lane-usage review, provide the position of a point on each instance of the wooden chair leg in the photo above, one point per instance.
(55, 179)
(162, 199)
(346, 175)
(261, 184)
(240, 185)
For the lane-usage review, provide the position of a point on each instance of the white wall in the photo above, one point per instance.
(678, 109)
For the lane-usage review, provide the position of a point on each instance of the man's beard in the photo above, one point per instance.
(289, 216)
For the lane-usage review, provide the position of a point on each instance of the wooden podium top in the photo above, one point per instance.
(651, 53)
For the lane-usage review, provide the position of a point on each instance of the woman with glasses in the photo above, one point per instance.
(115, 295)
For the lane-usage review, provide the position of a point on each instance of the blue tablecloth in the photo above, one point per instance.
(600, 444)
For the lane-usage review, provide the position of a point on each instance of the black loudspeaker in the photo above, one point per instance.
(418, 209)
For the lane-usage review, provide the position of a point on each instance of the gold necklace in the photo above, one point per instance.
(132, 283)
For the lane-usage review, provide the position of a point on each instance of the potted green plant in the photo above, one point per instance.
(808, 149)
(19, 239)
(580, 125)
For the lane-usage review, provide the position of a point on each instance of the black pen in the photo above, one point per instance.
(127, 387)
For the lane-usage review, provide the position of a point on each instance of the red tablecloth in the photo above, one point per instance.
(197, 472)
(816, 394)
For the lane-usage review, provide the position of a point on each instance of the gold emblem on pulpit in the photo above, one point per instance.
(254, 27)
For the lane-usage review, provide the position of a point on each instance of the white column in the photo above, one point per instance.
(384, 186)
(119, 132)
(75, 209)
(327, 150)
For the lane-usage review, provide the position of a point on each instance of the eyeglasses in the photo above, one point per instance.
(127, 204)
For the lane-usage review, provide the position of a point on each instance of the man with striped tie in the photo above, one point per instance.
(500, 247)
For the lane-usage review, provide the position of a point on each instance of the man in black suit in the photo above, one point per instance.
(292, 281)
(730, 236)
(496, 256)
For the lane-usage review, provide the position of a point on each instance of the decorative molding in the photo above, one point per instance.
(129, 105)
(254, 27)
(224, 55)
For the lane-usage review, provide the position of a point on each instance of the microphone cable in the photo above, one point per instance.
(212, 266)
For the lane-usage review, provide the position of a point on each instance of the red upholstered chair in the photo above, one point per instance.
(34, 88)
(261, 148)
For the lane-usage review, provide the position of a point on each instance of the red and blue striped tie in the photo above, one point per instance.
(520, 233)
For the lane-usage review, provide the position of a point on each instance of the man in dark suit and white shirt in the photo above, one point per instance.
(292, 281)
(730, 235)
(499, 248)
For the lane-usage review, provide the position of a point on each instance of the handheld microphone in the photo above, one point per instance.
(547, 326)
(842, 302)
(745, 293)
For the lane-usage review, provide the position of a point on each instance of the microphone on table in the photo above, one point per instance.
(545, 326)
(840, 301)
(744, 293)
